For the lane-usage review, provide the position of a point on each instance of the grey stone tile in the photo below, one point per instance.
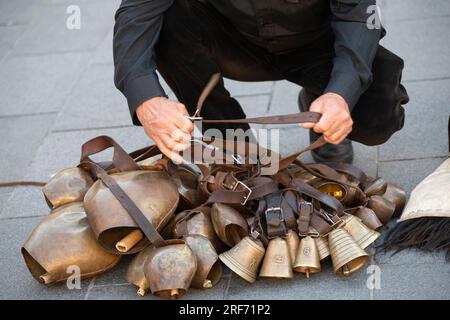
(409, 257)
(321, 286)
(128, 292)
(284, 98)
(425, 131)
(17, 12)
(408, 173)
(414, 281)
(116, 276)
(94, 102)
(395, 10)
(16, 280)
(8, 37)
(58, 151)
(242, 88)
(104, 52)
(254, 106)
(38, 84)
(430, 35)
(21, 137)
(48, 32)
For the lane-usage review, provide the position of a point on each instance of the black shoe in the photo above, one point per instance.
(342, 152)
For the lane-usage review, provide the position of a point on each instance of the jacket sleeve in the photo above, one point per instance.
(136, 31)
(355, 47)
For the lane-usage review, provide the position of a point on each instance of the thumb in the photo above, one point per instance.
(316, 106)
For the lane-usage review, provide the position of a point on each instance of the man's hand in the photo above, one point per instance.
(165, 122)
(336, 122)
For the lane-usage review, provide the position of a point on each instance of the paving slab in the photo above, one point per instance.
(58, 151)
(321, 286)
(17, 12)
(284, 98)
(16, 281)
(396, 10)
(8, 37)
(425, 131)
(104, 52)
(38, 84)
(254, 106)
(244, 88)
(94, 102)
(425, 52)
(128, 292)
(409, 173)
(21, 137)
(414, 281)
(48, 32)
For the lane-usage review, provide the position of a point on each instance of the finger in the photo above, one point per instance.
(181, 136)
(184, 124)
(307, 125)
(174, 156)
(180, 107)
(171, 144)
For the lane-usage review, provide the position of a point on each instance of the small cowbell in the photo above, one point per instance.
(307, 260)
(244, 258)
(359, 231)
(277, 260)
(346, 254)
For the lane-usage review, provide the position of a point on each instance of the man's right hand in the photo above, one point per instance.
(166, 123)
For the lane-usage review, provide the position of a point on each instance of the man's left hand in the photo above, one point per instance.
(336, 122)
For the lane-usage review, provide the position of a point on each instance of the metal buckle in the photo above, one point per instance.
(308, 205)
(247, 188)
(333, 224)
(279, 209)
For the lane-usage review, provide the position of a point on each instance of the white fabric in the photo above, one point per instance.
(431, 197)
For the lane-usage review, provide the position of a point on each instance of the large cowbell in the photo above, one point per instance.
(62, 240)
(152, 191)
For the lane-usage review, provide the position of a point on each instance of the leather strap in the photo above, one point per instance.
(245, 191)
(121, 160)
(294, 118)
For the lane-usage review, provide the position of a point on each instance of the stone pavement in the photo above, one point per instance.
(57, 91)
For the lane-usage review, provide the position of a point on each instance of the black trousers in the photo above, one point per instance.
(196, 41)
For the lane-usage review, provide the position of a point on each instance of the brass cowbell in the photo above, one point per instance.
(277, 260)
(307, 259)
(244, 258)
(293, 242)
(346, 254)
(363, 235)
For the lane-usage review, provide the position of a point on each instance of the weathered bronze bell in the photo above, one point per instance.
(376, 187)
(322, 247)
(346, 254)
(397, 196)
(369, 218)
(197, 221)
(293, 242)
(359, 231)
(277, 260)
(135, 272)
(245, 258)
(383, 208)
(186, 180)
(209, 269)
(229, 224)
(307, 260)
(63, 239)
(68, 185)
(170, 269)
(152, 191)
